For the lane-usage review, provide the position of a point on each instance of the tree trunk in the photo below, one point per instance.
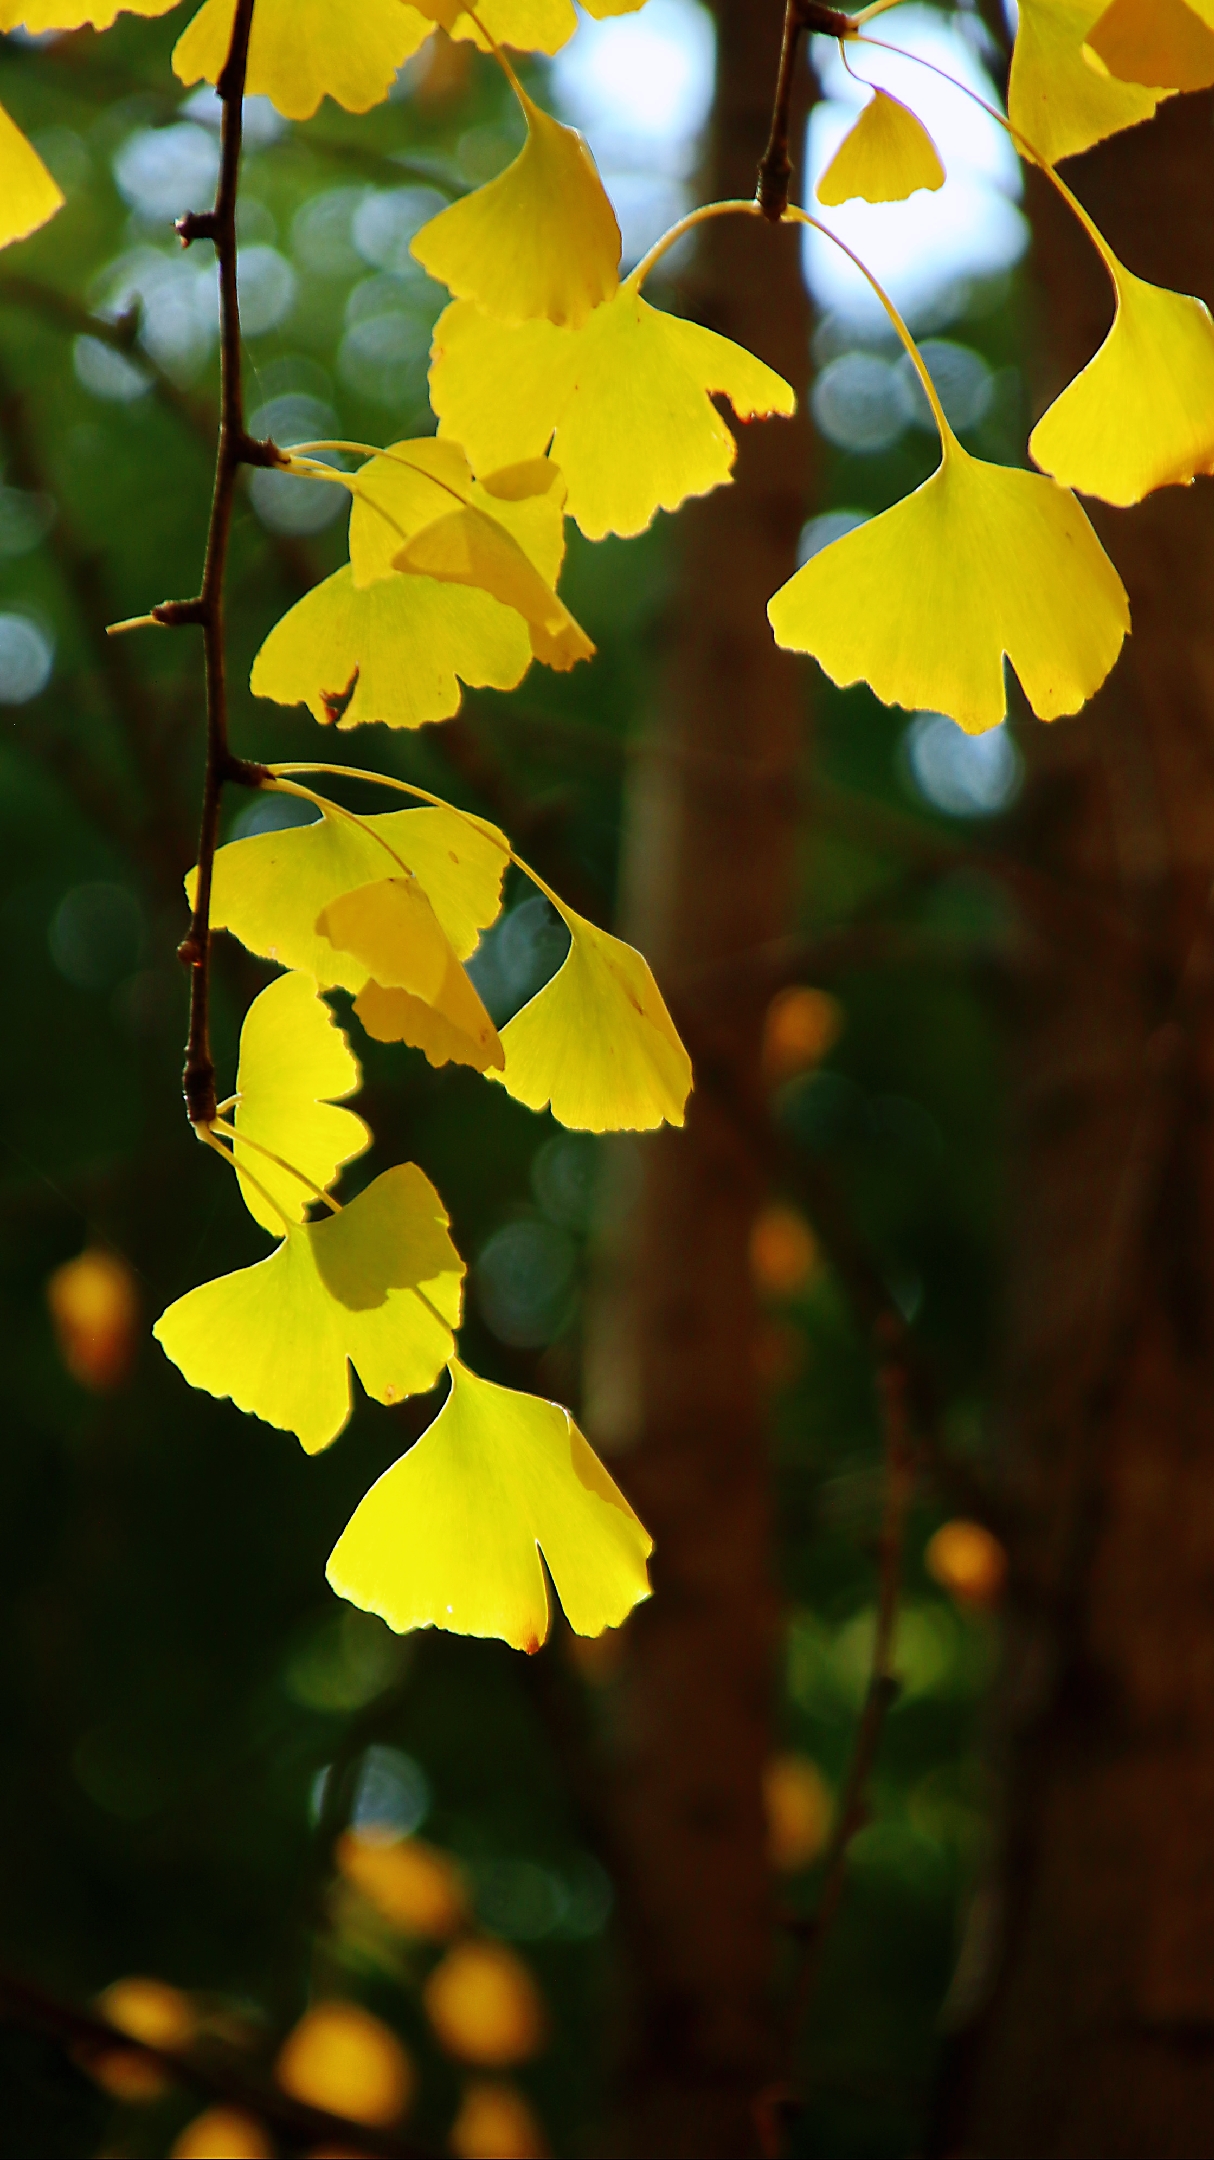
(709, 853)
(1097, 2034)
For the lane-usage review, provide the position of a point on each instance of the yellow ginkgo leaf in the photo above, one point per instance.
(451, 1535)
(378, 1286)
(540, 240)
(626, 403)
(271, 889)
(397, 651)
(417, 993)
(923, 602)
(1141, 414)
(295, 1066)
(468, 548)
(303, 50)
(1057, 100)
(1162, 43)
(38, 16)
(525, 25)
(412, 484)
(885, 157)
(596, 1044)
(28, 194)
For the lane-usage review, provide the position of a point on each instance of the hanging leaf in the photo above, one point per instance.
(28, 194)
(418, 992)
(525, 25)
(1166, 44)
(295, 1067)
(468, 548)
(451, 1535)
(271, 889)
(885, 157)
(1057, 100)
(597, 1045)
(625, 402)
(38, 16)
(378, 1286)
(1141, 414)
(415, 484)
(540, 240)
(923, 602)
(303, 50)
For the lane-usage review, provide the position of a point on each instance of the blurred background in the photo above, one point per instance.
(941, 1202)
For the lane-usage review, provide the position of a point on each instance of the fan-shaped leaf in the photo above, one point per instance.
(303, 50)
(885, 157)
(418, 992)
(451, 1535)
(1165, 44)
(295, 1066)
(1057, 100)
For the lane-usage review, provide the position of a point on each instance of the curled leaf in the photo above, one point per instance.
(417, 993)
(923, 602)
(885, 157)
(1141, 413)
(303, 50)
(28, 194)
(271, 889)
(451, 1535)
(295, 1066)
(468, 548)
(626, 403)
(1057, 100)
(378, 1286)
(596, 1045)
(1165, 44)
(540, 240)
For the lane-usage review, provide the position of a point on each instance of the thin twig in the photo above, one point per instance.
(91, 2038)
(775, 169)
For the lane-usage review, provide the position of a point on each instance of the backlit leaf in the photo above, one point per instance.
(624, 402)
(525, 25)
(923, 602)
(468, 548)
(302, 50)
(271, 889)
(378, 1286)
(451, 1535)
(418, 992)
(295, 1066)
(414, 484)
(885, 157)
(540, 240)
(1057, 100)
(1141, 414)
(39, 15)
(28, 194)
(1163, 43)
(597, 1044)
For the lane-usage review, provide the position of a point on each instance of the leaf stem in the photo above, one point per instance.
(234, 449)
(795, 216)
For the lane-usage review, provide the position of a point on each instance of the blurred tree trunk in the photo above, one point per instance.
(709, 875)
(1096, 2035)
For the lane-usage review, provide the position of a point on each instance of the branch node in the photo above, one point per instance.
(196, 225)
(242, 772)
(249, 451)
(178, 614)
(827, 21)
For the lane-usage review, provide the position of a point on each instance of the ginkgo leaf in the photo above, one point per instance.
(923, 602)
(378, 1286)
(451, 1535)
(417, 993)
(270, 890)
(412, 484)
(302, 50)
(540, 240)
(885, 157)
(1057, 101)
(37, 16)
(596, 1045)
(1162, 43)
(397, 651)
(1141, 414)
(525, 25)
(295, 1066)
(468, 548)
(28, 194)
(626, 403)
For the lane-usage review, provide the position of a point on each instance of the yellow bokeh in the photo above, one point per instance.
(495, 2123)
(800, 1026)
(342, 2058)
(94, 1307)
(783, 1252)
(415, 1888)
(800, 1808)
(484, 2006)
(223, 2133)
(150, 2010)
(968, 1561)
